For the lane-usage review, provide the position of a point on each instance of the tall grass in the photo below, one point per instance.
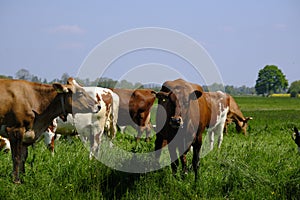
(263, 165)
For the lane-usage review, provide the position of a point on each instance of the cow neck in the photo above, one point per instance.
(43, 120)
(62, 102)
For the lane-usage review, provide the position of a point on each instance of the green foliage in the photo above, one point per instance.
(294, 89)
(270, 80)
(263, 165)
(5, 77)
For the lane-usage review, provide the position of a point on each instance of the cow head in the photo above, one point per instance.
(242, 124)
(175, 97)
(296, 137)
(74, 99)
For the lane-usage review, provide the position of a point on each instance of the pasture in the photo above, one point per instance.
(263, 165)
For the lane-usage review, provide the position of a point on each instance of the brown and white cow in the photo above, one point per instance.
(4, 144)
(184, 111)
(28, 108)
(235, 115)
(181, 118)
(218, 105)
(91, 126)
(134, 109)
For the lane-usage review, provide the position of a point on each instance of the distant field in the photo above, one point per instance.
(268, 103)
(263, 165)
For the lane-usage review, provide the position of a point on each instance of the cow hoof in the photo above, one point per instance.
(147, 140)
(18, 182)
(184, 175)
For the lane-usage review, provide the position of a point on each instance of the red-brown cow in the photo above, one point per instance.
(182, 116)
(134, 109)
(235, 115)
(27, 109)
(184, 111)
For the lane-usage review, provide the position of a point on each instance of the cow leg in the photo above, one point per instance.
(174, 158)
(51, 147)
(158, 146)
(113, 129)
(196, 157)
(182, 152)
(24, 155)
(225, 127)
(211, 136)
(148, 132)
(220, 140)
(15, 138)
(140, 131)
(183, 163)
(92, 141)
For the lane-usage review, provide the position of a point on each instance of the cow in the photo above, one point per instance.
(91, 126)
(218, 105)
(4, 144)
(49, 135)
(181, 119)
(296, 138)
(134, 109)
(28, 108)
(184, 112)
(235, 115)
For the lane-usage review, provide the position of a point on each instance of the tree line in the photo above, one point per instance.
(271, 80)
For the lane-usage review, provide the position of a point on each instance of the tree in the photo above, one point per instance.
(270, 80)
(5, 77)
(24, 74)
(294, 89)
(64, 78)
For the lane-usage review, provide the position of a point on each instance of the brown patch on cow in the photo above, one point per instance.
(108, 100)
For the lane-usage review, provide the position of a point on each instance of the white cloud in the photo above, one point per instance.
(67, 29)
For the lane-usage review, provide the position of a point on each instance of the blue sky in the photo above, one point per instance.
(50, 38)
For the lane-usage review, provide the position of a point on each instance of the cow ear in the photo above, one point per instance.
(60, 88)
(248, 118)
(196, 94)
(162, 95)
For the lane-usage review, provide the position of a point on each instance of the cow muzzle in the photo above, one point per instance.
(176, 122)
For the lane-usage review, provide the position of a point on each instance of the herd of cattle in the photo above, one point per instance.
(29, 110)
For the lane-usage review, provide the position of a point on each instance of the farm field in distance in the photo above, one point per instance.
(265, 164)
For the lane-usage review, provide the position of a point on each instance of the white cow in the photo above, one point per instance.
(91, 126)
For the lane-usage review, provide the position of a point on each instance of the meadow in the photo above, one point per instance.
(264, 164)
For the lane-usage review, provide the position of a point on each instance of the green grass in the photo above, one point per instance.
(263, 165)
